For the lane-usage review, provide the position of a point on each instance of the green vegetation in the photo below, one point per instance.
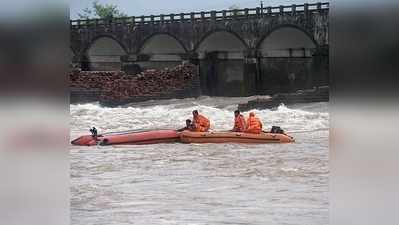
(101, 11)
(235, 7)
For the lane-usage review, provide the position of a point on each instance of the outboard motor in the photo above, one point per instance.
(87, 140)
(93, 132)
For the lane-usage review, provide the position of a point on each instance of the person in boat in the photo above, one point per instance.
(189, 126)
(254, 125)
(200, 122)
(239, 122)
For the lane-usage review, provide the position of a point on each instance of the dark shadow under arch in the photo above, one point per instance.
(260, 41)
(209, 33)
(92, 41)
(285, 73)
(220, 74)
(87, 63)
(146, 39)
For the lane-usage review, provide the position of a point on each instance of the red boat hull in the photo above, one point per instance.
(135, 138)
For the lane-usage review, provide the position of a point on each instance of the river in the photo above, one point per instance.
(200, 184)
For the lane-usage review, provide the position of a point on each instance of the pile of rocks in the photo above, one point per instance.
(120, 86)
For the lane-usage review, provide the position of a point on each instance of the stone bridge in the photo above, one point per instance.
(238, 52)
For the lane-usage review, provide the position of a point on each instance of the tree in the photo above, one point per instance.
(235, 7)
(101, 11)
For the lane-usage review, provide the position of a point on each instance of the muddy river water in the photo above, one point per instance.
(200, 184)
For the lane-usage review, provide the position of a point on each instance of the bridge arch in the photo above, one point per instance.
(286, 59)
(287, 36)
(155, 38)
(221, 56)
(160, 50)
(210, 36)
(104, 53)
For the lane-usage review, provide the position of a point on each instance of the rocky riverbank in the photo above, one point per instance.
(317, 94)
(117, 88)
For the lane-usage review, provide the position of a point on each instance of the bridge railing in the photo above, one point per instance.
(205, 16)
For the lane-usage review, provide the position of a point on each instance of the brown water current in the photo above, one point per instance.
(200, 184)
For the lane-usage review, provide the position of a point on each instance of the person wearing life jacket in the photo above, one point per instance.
(189, 126)
(254, 125)
(200, 122)
(239, 122)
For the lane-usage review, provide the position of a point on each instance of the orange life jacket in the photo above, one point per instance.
(239, 124)
(201, 123)
(253, 124)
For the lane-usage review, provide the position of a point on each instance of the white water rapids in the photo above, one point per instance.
(200, 184)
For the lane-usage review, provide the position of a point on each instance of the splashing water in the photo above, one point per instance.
(172, 114)
(200, 184)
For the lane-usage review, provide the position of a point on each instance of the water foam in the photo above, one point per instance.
(172, 114)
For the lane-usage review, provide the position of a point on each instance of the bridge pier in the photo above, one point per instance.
(251, 72)
(224, 75)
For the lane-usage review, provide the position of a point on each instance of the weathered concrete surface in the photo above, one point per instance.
(234, 50)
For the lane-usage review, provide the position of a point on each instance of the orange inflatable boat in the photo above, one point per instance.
(234, 137)
(132, 137)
